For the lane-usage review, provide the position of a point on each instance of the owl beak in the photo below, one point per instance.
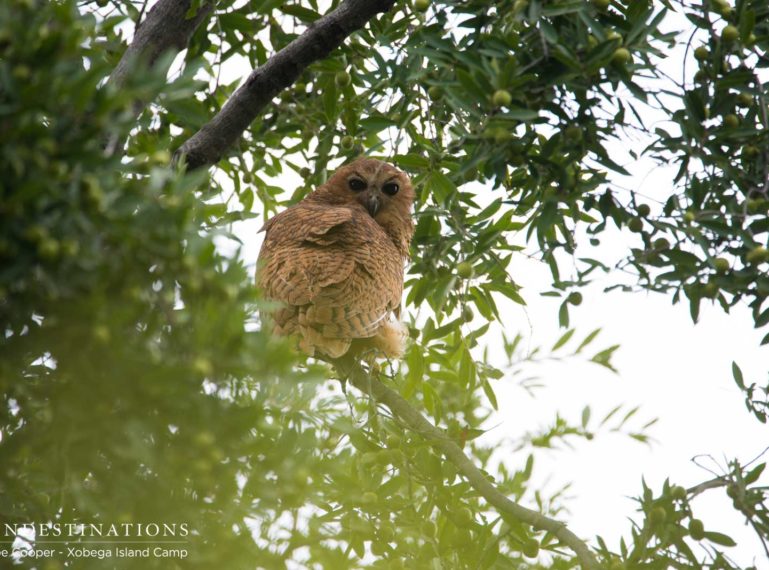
(373, 203)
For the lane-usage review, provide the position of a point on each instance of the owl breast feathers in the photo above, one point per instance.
(334, 261)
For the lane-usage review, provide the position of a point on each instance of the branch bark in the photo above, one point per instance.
(358, 377)
(210, 143)
(167, 27)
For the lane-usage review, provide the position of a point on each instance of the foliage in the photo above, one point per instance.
(136, 385)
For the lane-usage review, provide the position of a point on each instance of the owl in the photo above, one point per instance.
(334, 262)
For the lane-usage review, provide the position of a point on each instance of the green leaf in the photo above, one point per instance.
(585, 416)
(588, 339)
(718, 538)
(737, 374)
(753, 475)
(563, 340)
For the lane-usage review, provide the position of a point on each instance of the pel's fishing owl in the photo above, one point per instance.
(334, 261)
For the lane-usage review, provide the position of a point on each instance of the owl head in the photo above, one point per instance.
(375, 185)
(384, 191)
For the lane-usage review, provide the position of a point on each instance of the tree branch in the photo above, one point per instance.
(167, 27)
(210, 143)
(358, 377)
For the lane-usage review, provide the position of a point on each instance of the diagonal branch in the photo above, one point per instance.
(210, 143)
(359, 378)
(168, 26)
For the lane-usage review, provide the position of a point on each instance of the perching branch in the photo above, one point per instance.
(358, 377)
(168, 26)
(210, 143)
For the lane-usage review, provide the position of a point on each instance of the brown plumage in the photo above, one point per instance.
(334, 261)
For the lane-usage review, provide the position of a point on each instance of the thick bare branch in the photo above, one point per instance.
(168, 26)
(210, 143)
(365, 382)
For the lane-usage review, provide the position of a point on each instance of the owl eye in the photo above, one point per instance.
(391, 188)
(357, 184)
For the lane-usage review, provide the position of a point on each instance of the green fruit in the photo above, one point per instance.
(36, 233)
(661, 244)
(464, 517)
(347, 142)
(643, 210)
(697, 529)
(621, 56)
(635, 225)
(530, 548)
(369, 498)
(731, 121)
(48, 249)
(465, 270)
(21, 72)
(749, 151)
(394, 441)
(202, 366)
(421, 5)
(435, 92)
(757, 255)
(502, 98)
(744, 99)
(724, 9)
(701, 76)
(721, 264)
(467, 314)
(161, 156)
(573, 133)
(658, 515)
(613, 35)
(689, 216)
(70, 247)
(601, 4)
(678, 493)
(342, 79)
(710, 290)
(101, 334)
(701, 53)
(730, 33)
(574, 298)
(520, 5)
(501, 136)
(204, 438)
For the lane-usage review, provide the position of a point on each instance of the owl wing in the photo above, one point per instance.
(334, 268)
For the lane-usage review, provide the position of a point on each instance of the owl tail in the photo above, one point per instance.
(312, 341)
